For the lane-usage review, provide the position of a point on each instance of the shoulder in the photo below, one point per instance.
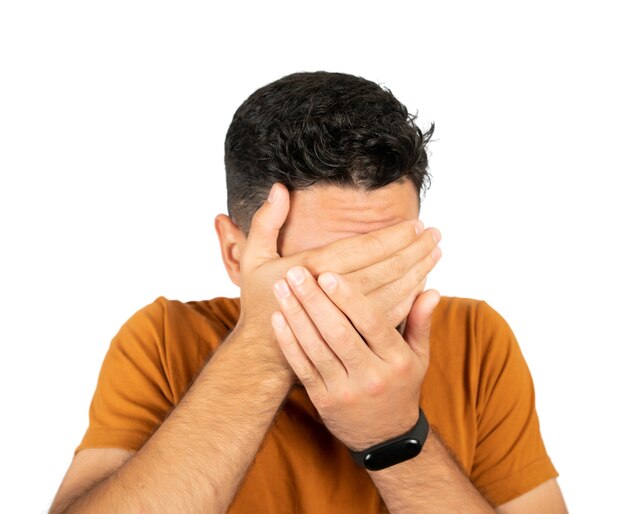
(476, 337)
(166, 324)
(467, 329)
(221, 311)
(176, 338)
(458, 313)
(462, 304)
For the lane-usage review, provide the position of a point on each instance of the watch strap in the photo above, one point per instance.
(395, 450)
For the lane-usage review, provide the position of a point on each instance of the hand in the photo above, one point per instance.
(388, 265)
(364, 393)
(395, 275)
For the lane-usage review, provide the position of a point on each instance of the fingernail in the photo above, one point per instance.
(295, 276)
(281, 288)
(419, 227)
(436, 235)
(436, 253)
(328, 281)
(273, 193)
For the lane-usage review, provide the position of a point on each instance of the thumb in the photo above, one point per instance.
(417, 329)
(262, 242)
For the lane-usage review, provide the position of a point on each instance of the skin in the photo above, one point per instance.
(388, 266)
(323, 213)
(381, 274)
(356, 387)
(301, 230)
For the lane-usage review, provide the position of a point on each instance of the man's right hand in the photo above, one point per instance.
(389, 265)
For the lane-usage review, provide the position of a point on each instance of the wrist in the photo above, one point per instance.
(395, 450)
(262, 348)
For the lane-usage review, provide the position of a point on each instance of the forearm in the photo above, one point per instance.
(430, 482)
(196, 460)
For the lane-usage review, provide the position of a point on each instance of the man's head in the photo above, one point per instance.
(347, 150)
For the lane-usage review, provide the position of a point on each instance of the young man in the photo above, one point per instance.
(371, 395)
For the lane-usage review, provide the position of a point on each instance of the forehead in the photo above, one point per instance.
(322, 214)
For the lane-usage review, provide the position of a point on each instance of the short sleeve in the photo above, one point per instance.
(132, 395)
(510, 457)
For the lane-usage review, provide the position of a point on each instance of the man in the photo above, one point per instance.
(270, 402)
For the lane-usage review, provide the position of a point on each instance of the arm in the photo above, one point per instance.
(434, 482)
(198, 457)
(358, 388)
(431, 482)
(211, 437)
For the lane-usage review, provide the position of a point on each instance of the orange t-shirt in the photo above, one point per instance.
(477, 393)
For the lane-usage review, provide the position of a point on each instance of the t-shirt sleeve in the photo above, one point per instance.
(132, 395)
(510, 457)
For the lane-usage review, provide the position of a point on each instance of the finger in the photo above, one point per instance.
(398, 313)
(294, 354)
(398, 265)
(380, 335)
(397, 291)
(266, 223)
(322, 357)
(356, 252)
(335, 329)
(418, 324)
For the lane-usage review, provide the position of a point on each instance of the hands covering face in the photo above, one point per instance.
(388, 266)
(361, 374)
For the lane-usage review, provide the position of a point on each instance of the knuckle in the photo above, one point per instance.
(311, 295)
(392, 292)
(294, 310)
(365, 280)
(396, 265)
(307, 378)
(325, 361)
(369, 323)
(426, 244)
(379, 276)
(400, 288)
(355, 359)
(376, 385)
(402, 366)
(340, 334)
(397, 313)
(430, 237)
(348, 397)
(393, 315)
(342, 252)
(420, 272)
(373, 246)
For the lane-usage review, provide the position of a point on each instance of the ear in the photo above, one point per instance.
(232, 244)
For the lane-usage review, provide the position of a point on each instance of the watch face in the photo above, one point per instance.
(391, 454)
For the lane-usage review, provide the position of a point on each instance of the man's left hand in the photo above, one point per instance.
(361, 374)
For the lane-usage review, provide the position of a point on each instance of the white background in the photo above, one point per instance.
(112, 124)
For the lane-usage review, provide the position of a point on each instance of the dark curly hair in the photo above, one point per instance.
(320, 127)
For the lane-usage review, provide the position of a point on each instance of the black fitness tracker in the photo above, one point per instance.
(396, 450)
